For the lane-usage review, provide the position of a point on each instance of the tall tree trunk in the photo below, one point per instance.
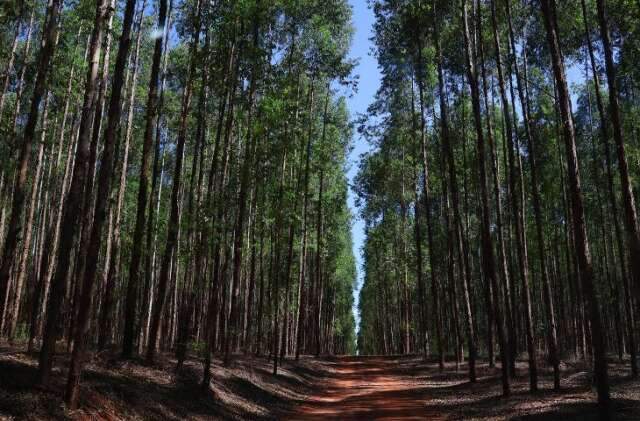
(318, 274)
(113, 270)
(157, 172)
(628, 200)
(426, 196)
(197, 227)
(604, 133)
(131, 300)
(488, 261)
(241, 211)
(12, 57)
(49, 40)
(302, 302)
(537, 210)
(100, 214)
(577, 205)
(173, 223)
(214, 227)
(26, 242)
(518, 214)
(88, 201)
(73, 204)
(630, 216)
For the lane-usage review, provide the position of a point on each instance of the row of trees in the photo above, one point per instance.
(172, 178)
(502, 201)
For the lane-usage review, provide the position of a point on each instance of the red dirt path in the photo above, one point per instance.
(408, 388)
(366, 389)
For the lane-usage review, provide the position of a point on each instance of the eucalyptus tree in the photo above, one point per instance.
(493, 73)
(14, 228)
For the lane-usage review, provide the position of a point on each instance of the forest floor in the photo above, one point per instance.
(407, 388)
(342, 388)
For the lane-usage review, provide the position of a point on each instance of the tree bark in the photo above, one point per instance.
(173, 223)
(628, 199)
(105, 322)
(100, 213)
(426, 196)
(488, 261)
(49, 41)
(537, 209)
(26, 242)
(518, 214)
(577, 205)
(136, 253)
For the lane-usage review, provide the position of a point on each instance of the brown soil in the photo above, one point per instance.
(367, 388)
(407, 388)
(344, 388)
(115, 389)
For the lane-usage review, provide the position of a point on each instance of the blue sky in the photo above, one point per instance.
(363, 20)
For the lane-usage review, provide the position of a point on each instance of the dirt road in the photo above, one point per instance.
(368, 389)
(407, 388)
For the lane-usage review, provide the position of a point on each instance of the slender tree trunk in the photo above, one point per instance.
(230, 86)
(426, 196)
(302, 302)
(100, 214)
(12, 57)
(73, 205)
(131, 301)
(578, 217)
(113, 270)
(173, 224)
(488, 261)
(628, 200)
(630, 216)
(26, 242)
(157, 172)
(88, 200)
(546, 286)
(49, 40)
(318, 274)
(276, 269)
(240, 216)
(518, 214)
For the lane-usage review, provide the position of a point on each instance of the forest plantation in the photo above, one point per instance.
(313, 209)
